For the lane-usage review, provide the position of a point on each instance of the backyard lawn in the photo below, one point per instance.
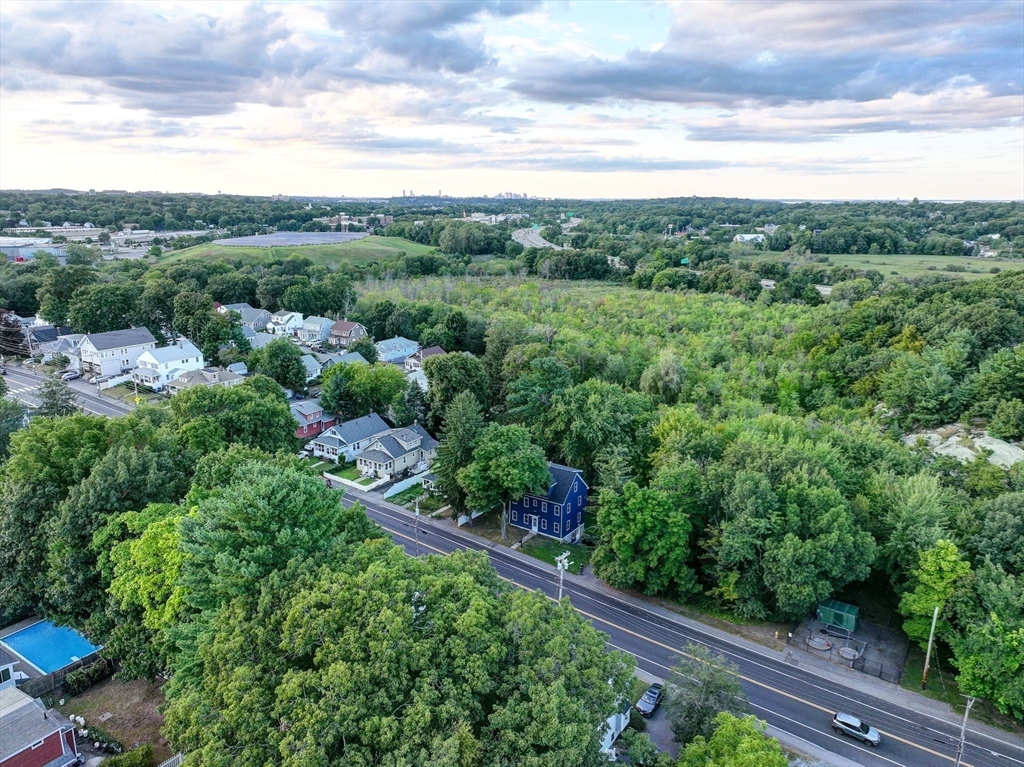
(129, 711)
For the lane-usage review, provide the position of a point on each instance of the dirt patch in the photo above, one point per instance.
(133, 708)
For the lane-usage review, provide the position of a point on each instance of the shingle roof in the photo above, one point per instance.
(430, 351)
(343, 327)
(236, 307)
(238, 367)
(352, 358)
(317, 321)
(312, 364)
(358, 429)
(117, 338)
(397, 344)
(306, 406)
(23, 722)
(392, 446)
(562, 477)
(375, 455)
(174, 352)
(251, 315)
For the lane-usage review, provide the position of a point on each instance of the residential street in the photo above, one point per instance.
(23, 383)
(796, 701)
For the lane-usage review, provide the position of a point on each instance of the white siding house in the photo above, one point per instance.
(116, 352)
(158, 367)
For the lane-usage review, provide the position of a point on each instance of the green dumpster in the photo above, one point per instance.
(839, 614)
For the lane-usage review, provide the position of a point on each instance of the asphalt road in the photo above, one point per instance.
(794, 701)
(22, 384)
(530, 238)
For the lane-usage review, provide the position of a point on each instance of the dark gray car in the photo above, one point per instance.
(847, 724)
(650, 700)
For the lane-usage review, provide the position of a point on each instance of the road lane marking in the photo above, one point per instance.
(677, 651)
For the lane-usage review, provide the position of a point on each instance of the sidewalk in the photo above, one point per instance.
(799, 658)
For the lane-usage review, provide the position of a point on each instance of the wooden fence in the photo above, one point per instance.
(44, 685)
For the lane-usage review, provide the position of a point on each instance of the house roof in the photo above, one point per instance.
(396, 344)
(344, 327)
(321, 321)
(312, 364)
(306, 407)
(374, 455)
(259, 340)
(430, 351)
(358, 429)
(251, 315)
(118, 338)
(238, 367)
(202, 377)
(284, 314)
(236, 307)
(351, 358)
(174, 352)
(23, 721)
(42, 334)
(561, 481)
(391, 442)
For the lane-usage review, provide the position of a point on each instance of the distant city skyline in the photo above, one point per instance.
(816, 101)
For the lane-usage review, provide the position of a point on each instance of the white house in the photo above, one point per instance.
(397, 450)
(748, 238)
(415, 361)
(285, 323)
(613, 728)
(116, 352)
(312, 365)
(342, 443)
(315, 329)
(158, 367)
(395, 350)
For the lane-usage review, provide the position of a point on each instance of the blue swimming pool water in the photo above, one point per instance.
(49, 647)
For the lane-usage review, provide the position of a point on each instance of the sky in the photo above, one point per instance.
(800, 100)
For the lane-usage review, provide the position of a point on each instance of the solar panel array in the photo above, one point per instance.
(280, 239)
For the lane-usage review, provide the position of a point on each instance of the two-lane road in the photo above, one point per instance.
(795, 701)
(23, 385)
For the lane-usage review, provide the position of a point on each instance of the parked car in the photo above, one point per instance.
(650, 700)
(70, 375)
(847, 724)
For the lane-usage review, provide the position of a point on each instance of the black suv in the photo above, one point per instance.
(648, 703)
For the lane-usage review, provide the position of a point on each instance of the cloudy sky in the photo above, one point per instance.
(816, 100)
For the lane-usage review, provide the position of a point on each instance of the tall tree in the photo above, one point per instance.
(703, 686)
(462, 426)
(12, 418)
(447, 376)
(104, 307)
(736, 742)
(13, 341)
(56, 398)
(409, 405)
(506, 466)
(365, 348)
(503, 333)
(59, 285)
(282, 361)
(531, 395)
(192, 312)
(932, 583)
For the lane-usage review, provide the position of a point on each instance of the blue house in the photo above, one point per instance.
(559, 514)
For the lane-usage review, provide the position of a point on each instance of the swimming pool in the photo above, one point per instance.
(48, 647)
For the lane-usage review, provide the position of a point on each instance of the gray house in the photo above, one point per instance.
(342, 443)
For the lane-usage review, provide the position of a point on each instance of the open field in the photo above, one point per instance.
(904, 265)
(357, 253)
(134, 709)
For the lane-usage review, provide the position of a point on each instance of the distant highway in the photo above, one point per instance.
(23, 385)
(530, 238)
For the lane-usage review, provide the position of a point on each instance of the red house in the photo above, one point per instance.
(311, 419)
(31, 736)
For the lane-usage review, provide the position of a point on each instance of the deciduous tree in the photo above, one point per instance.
(703, 686)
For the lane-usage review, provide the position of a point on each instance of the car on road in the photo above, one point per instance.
(70, 375)
(650, 700)
(847, 724)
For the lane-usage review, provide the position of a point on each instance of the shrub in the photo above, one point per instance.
(1008, 421)
(636, 721)
(142, 756)
(82, 679)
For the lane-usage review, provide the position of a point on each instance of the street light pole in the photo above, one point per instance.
(963, 731)
(562, 560)
(928, 652)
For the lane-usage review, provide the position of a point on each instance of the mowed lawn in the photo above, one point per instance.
(905, 265)
(362, 252)
(134, 709)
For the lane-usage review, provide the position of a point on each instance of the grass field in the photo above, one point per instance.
(133, 708)
(905, 265)
(362, 252)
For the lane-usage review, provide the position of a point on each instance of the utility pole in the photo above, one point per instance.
(562, 560)
(417, 527)
(963, 731)
(928, 652)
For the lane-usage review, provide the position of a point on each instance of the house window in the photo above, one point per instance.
(535, 502)
(579, 517)
(5, 675)
(543, 524)
(557, 530)
(37, 744)
(515, 515)
(544, 506)
(579, 501)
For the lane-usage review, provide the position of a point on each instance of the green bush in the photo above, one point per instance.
(1008, 421)
(142, 756)
(82, 679)
(636, 721)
